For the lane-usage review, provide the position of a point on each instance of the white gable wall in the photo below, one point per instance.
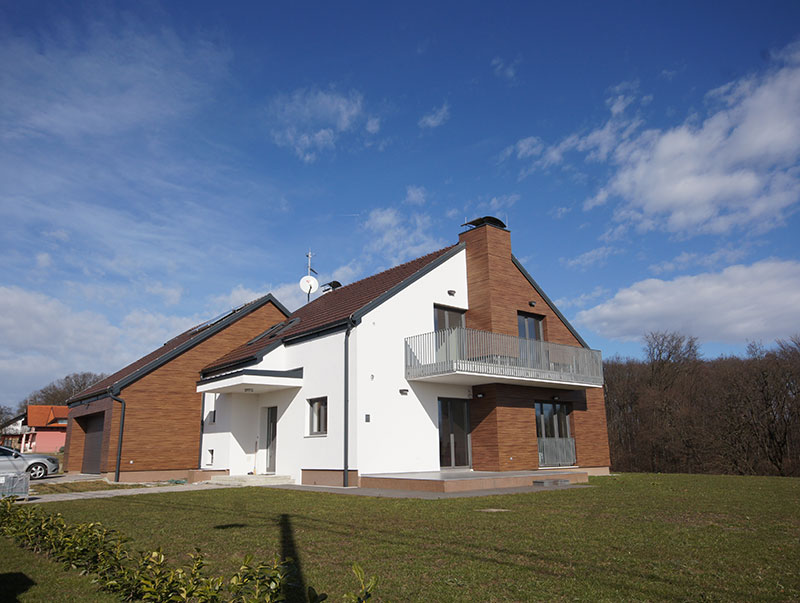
(403, 432)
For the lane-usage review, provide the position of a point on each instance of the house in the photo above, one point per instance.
(47, 428)
(144, 421)
(11, 431)
(457, 359)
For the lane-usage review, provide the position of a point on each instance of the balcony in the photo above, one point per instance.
(470, 357)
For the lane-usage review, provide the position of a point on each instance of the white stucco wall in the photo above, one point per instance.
(403, 432)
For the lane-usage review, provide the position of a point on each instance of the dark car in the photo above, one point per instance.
(38, 465)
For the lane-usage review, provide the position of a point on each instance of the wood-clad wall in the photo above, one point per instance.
(503, 425)
(503, 421)
(163, 409)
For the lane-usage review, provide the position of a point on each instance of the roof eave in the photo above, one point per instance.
(117, 386)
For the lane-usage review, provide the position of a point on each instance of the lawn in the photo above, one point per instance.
(634, 536)
(26, 576)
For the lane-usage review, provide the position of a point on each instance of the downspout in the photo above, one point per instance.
(350, 325)
(121, 427)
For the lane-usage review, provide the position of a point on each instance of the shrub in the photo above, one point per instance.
(104, 553)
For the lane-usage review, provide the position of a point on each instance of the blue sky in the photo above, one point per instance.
(161, 163)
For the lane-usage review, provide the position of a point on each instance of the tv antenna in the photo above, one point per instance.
(308, 283)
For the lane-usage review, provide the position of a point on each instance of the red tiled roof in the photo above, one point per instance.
(330, 309)
(39, 415)
(198, 332)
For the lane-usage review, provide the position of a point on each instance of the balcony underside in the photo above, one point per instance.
(464, 372)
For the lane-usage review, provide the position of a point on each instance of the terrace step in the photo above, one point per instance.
(551, 482)
(252, 480)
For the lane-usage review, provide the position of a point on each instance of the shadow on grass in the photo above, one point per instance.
(14, 583)
(297, 592)
(230, 526)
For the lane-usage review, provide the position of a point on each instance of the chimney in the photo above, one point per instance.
(490, 274)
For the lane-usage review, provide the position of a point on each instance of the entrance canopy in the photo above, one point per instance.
(251, 381)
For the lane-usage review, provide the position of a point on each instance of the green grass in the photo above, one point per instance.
(26, 576)
(40, 488)
(632, 537)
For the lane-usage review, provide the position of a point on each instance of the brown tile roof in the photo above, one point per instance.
(195, 334)
(329, 309)
(40, 415)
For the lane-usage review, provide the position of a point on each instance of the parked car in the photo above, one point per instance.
(38, 465)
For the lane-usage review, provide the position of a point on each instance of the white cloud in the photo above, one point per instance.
(398, 237)
(582, 300)
(415, 195)
(741, 303)
(501, 202)
(524, 148)
(559, 212)
(736, 168)
(436, 117)
(310, 121)
(170, 294)
(593, 257)
(103, 80)
(43, 260)
(373, 125)
(504, 70)
(726, 255)
(42, 339)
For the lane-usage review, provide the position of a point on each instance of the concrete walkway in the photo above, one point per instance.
(44, 498)
(375, 492)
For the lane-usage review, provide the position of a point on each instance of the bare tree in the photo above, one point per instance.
(58, 392)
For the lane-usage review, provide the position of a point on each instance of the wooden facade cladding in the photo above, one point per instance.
(163, 409)
(503, 420)
(498, 290)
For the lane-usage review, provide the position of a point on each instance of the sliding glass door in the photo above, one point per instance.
(454, 438)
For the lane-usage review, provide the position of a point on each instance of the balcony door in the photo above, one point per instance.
(556, 445)
(454, 439)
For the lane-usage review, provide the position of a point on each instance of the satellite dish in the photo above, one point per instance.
(309, 284)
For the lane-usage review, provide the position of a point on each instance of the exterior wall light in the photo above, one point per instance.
(451, 292)
(403, 392)
(532, 304)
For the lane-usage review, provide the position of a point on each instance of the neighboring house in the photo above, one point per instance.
(11, 432)
(456, 359)
(47, 428)
(152, 407)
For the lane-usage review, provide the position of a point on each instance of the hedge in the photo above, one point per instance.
(105, 554)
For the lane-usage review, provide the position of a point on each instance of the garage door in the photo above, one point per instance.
(93, 443)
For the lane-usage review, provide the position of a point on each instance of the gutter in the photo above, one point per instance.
(350, 324)
(111, 394)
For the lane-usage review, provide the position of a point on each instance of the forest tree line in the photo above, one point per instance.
(674, 411)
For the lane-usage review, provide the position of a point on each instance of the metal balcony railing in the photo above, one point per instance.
(460, 350)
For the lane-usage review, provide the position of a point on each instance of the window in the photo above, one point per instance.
(447, 318)
(552, 420)
(530, 326)
(211, 417)
(318, 424)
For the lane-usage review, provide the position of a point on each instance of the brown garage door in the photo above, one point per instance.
(92, 445)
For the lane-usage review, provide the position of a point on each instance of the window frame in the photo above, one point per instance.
(317, 418)
(448, 312)
(528, 318)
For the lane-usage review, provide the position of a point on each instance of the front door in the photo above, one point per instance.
(454, 438)
(92, 442)
(268, 429)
